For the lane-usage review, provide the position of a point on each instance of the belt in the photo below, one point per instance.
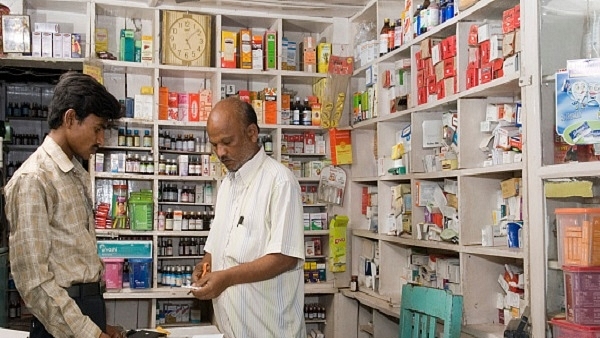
(86, 289)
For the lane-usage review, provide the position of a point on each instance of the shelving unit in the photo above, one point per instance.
(378, 310)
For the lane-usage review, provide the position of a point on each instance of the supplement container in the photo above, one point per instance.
(563, 329)
(113, 272)
(140, 273)
(578, 236)
(582, 292)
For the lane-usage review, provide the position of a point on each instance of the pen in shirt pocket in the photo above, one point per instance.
(240, 221)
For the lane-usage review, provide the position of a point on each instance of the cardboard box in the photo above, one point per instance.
(57, 45)
(270, 105)
(508, 20)
(245, 49)
(291, 56)
(127, 45)
(194, 110)
(76, 46)
(101, 40)
(257, 52)
(449, 67)
(341, 146)
(205, 104)
(66, 45)
(36, 44)
(147, 48)
(270, 50)
(183, 106)
(510, 187)
(308, 55)
(46, 45)
(228, 49)
(284, 50)
(323, 53)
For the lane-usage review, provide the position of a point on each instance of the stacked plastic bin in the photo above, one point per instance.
(579, 255)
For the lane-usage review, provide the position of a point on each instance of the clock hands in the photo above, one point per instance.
(189, 36)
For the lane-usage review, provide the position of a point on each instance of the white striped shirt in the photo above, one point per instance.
(267, 195)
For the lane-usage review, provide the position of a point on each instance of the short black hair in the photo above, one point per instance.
(83, 94)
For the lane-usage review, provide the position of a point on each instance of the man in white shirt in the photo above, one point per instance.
(255, 248)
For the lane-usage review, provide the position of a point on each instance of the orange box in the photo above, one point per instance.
(244, 49)
(163, 103)
(486, 73)
(517, 16)
(579, 236)
(431, 85)
(508, 20)
(285, 101)
(316, 114)
(270, 106)
(441, 91)
(340, 146)
(194, 109)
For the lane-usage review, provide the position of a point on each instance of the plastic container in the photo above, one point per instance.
(563, 329)
(582, 294)
(113, 272)
(579, 236)
(140, 273)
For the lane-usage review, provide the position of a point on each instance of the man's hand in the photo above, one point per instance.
(213, 284)
(113, 332)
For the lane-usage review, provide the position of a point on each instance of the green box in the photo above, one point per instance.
(270, 50)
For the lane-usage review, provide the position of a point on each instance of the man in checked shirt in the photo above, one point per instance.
(53, 255)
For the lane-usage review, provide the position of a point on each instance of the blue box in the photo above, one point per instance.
(140, 273)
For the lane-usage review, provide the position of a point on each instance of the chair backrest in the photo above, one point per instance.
(421, 308)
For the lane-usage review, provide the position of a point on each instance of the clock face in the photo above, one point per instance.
(187, 39)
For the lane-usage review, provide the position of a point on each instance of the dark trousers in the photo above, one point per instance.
(91, 306)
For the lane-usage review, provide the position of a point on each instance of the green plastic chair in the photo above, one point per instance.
(422, 307)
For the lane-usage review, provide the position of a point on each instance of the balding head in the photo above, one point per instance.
(233, 132)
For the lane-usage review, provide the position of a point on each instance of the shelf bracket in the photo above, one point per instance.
(525, 81)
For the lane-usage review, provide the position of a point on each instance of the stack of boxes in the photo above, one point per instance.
(494, 49)
(48, 42)
(502, 140)
(436, 69)
(579, 256)
(245, 50)
(186, 107)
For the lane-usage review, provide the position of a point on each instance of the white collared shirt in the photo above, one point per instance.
(267, 196)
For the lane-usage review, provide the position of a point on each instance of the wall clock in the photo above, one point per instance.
(16, 34)
(186, 39)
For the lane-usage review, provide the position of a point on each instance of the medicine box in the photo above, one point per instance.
(563, 329)
(579, 236)
(140, 273)
(113, 272)
(582, 292)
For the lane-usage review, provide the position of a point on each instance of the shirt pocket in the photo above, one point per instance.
(242, 248)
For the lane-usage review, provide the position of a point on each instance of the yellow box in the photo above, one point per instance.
(245, 49)
(323, 53)
(101, 40)
(337, 243)
(228, 49)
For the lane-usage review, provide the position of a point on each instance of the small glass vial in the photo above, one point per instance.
(129, 139)
(147, 141)
(162, 218)
(121, 138)
(136, 138)
(354, 283)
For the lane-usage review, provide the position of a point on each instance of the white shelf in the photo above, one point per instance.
(169, 258)
(320, 288)
(316, 232)
(573, 169)
(125, 148)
